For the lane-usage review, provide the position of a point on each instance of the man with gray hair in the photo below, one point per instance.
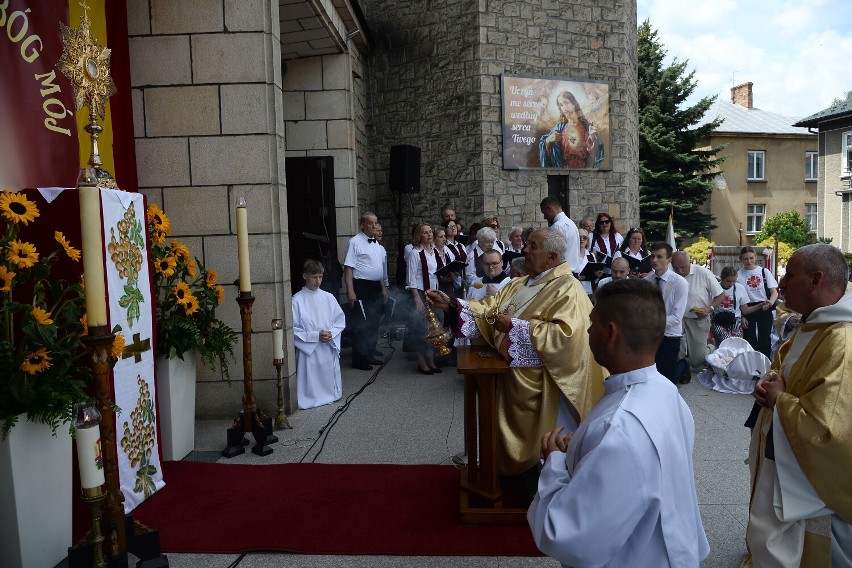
(537, 323)
(801, 444)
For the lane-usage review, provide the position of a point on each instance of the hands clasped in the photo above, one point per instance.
(555, 441)
(767, 389)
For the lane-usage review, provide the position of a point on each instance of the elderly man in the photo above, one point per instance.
(558, 220)
(537, 323)
(801, 446)
(365, 271)
(674, 289)
(705, 295)
(494, 278)
(621, 490)
(620, 270)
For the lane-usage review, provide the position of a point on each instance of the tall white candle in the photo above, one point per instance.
(89, 456)
(277, 343)
(93, 247)
(242, 246)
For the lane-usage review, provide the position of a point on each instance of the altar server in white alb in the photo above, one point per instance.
(318, 322)
(620, 491)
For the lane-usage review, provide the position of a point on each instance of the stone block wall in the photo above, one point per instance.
(435, 84)
(323, 115)
(208, 122)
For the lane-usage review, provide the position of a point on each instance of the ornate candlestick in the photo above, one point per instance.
(281, 421)
(88, 439)
(250, 419)
(99, 342)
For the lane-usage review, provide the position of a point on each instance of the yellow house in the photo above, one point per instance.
(770, 167)
(834, 128)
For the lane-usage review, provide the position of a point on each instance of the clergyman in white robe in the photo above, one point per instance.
(317, 362)
(623, 494)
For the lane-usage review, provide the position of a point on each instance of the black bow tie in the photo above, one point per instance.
(371, 240)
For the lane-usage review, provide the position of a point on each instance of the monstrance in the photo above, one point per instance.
(86, 64)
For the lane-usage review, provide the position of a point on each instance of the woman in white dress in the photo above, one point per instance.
(318, 322)
(634, 246)
(423, 261)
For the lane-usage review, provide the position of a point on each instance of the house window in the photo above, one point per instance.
(811, 216)
(756, 161)
(754, 218)
(845, 154)
(811, 166)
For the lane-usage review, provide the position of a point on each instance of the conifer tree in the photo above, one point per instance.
(673, 174)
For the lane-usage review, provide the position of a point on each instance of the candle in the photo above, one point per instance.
(93, 247)
(242, 246)
(88, 435)
(277, 339)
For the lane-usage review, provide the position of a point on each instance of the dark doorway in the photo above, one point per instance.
(558, 186)
(311, 217)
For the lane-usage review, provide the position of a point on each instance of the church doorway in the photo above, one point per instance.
(311, 219)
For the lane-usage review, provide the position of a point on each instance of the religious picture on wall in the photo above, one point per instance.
(555, 123)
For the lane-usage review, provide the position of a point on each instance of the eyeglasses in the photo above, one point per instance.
(499, 263)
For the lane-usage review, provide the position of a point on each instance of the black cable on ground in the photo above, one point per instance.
(323, 433)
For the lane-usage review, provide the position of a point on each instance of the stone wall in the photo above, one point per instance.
(435, 83)
(207, 101)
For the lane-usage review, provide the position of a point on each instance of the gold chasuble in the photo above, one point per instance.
(557, 309)
(815, 411)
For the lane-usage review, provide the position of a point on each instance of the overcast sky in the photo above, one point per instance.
(797, 54)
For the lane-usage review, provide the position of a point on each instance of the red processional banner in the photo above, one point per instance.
(38, 129)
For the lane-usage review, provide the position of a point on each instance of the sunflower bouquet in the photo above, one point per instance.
(44, 370)
(187, 297)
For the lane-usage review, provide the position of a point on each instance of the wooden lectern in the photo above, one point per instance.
(480, 493)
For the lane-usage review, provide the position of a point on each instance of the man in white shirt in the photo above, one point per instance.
(552, 211)
(675, 290)
(705, 295)
(620, 491)
(365, 271)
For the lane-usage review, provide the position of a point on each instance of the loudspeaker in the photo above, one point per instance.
(405, 169)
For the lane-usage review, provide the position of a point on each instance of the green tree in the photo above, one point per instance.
(791, 228)
(674, 175)
(839, 100)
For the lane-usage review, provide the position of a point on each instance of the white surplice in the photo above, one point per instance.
(317, 363)
(624, 492)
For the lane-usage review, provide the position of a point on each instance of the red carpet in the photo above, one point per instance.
(321, 509)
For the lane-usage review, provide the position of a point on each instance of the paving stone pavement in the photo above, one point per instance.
(404, 417)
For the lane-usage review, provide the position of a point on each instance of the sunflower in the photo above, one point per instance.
(182, 293)
(166, 266)
(220, 293)
(117, 346)
(191, 305)
(181, 250)
(36, 362)
(211, 278)
(159, 237)
(17, 208)
(159, 219)
(22, 254)
(6, 278)
(41, 316)
(72, 253)
(190, 268)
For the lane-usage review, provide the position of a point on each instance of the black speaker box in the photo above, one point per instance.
(405, 169)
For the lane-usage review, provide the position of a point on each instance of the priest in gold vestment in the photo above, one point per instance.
(801, 449)
(539, 324)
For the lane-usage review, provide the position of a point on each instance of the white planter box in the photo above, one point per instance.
(176, 412)
(35, 495)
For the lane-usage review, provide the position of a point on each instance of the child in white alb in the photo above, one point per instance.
(318, 322)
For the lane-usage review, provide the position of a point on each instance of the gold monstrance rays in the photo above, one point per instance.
(86, 64)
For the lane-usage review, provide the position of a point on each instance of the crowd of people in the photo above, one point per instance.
(567, 304)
